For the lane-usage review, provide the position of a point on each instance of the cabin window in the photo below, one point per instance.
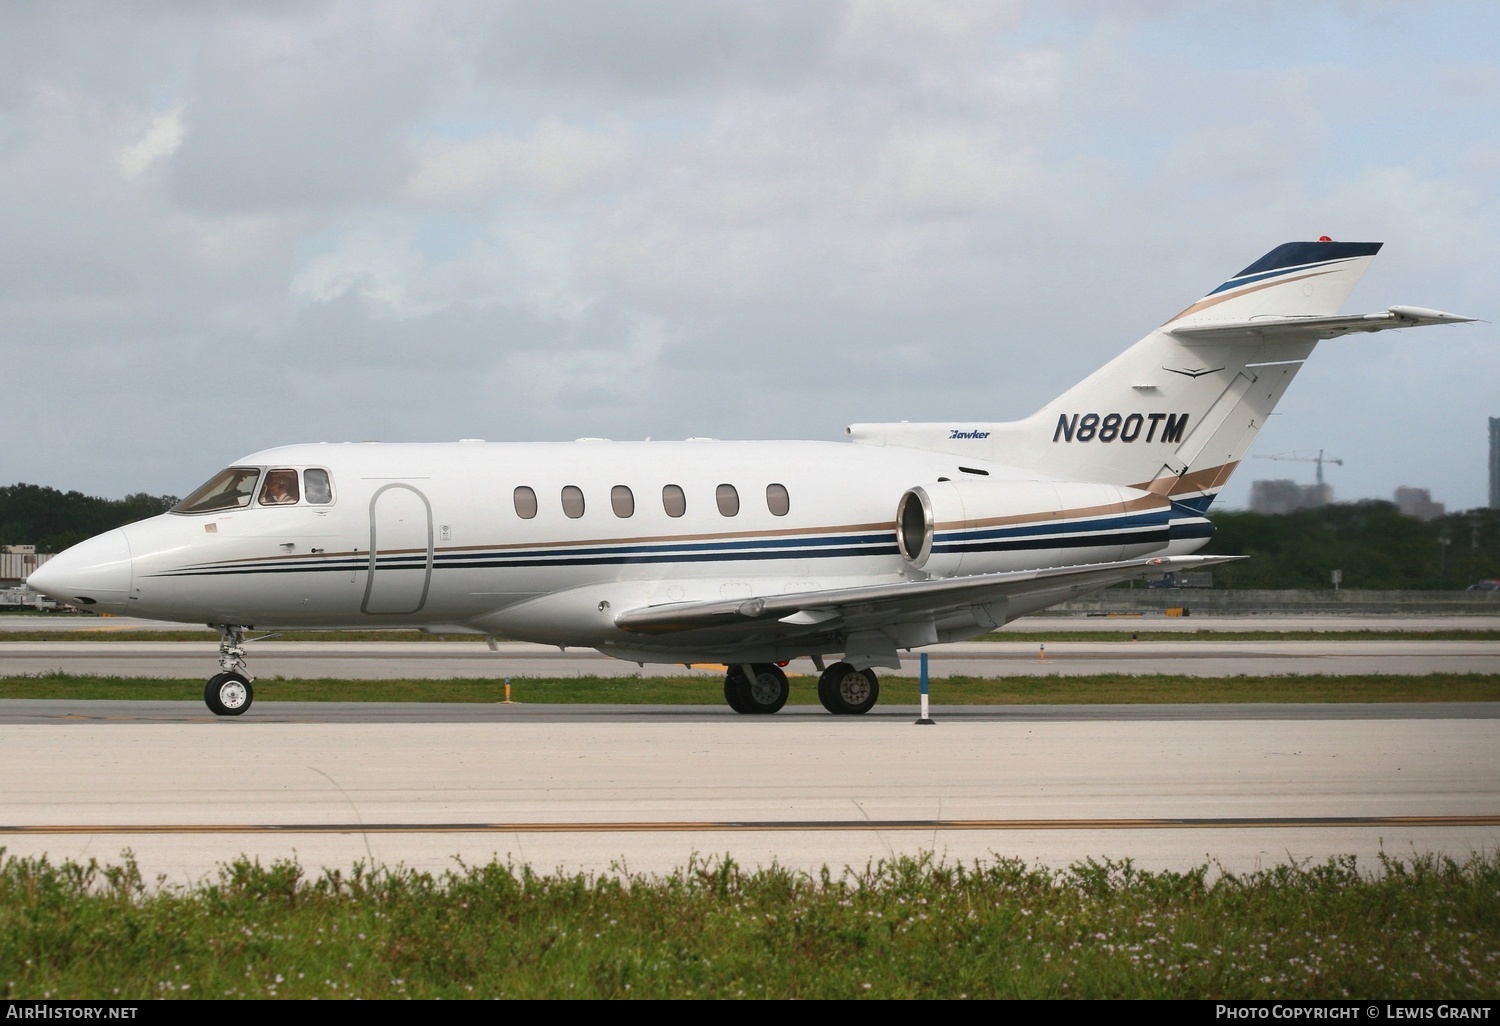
(673, 501)
(280, 488)
(728, 500)
(317, 488)
(525, 500)
(622, 501)
(572, 501)
(777, 500)
(228, 489)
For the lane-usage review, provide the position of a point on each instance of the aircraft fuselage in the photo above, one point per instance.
(428, 535)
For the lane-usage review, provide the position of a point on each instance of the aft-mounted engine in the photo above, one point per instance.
(954, 528)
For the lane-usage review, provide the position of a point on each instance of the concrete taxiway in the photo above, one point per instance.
(431, 660)
(596, 788)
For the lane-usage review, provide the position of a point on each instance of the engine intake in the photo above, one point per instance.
(971, 527)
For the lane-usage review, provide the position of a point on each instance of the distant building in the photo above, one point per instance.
(1417, 502)
(1495, 463)
(1277, 497)
(17, 562)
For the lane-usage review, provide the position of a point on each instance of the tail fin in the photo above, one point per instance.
(1296, 279)
(1175, 413)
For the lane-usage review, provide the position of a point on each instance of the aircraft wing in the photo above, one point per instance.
(869, 607)
(1311, 329)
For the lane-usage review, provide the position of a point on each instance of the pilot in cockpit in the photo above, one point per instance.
(280, 489)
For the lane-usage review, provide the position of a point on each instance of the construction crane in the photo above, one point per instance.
(1319, 459)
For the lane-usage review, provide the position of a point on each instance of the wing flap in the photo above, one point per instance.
(892, 603)
(1315, 328)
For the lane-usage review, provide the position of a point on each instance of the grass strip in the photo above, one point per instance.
(707, 690)
(906, 928)
(1212, 635)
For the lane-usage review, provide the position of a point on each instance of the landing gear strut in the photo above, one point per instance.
(843, 690)
(229, 693)
(757, 688)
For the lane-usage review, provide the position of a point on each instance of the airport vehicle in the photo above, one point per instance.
(22, 598)
(748, 554)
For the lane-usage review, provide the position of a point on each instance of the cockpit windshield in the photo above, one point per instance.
(228, 489)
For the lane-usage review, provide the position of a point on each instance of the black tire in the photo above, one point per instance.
(732, 681)
(766, 693)
(825, 690)
(845, 691)
(228, 694)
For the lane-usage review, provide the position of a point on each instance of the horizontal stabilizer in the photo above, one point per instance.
(1312, 329)
(893, 603)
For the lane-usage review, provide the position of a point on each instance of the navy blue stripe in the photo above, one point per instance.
(1198, 504)
(727, 547)
(1234, 283)
(1156, 518)
(1298, 254)
(1019, 544)
(1194, 528)
(604, 550)
(498, 562)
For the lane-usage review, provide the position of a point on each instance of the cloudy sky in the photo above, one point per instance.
(228, 226)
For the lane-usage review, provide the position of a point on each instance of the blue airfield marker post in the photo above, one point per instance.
(925, 720)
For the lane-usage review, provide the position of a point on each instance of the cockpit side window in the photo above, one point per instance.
(230, 488)
(316, 487)
(280, 488)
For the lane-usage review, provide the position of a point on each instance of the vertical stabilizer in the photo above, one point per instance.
(1174, 413)
(1296, 279)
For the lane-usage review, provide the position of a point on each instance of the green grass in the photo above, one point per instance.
(1456, 634)
(908, 928)
(1105, 688)
(101, 632)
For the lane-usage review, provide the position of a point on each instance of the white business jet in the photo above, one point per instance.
(748, 554)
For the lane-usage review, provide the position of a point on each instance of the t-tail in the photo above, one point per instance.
(1175, 413)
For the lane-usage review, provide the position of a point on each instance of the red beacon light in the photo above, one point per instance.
(1324, 238)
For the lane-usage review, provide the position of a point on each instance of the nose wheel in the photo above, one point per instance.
(229, 693)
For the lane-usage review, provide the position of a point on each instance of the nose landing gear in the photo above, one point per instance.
(229, 693)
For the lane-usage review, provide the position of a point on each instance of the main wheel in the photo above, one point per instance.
(843, 690)
(825, 691)
(228, 694)
(732, 681)
(766, 692)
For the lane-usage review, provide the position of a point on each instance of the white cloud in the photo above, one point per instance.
(784, 216)
(161, 140)
(555, 162)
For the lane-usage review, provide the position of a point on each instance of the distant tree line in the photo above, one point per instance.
(1375, 546)
(52, 520)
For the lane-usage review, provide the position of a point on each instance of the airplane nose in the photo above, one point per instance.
(94, 574)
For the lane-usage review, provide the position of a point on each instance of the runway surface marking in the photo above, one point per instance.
(1207, 823)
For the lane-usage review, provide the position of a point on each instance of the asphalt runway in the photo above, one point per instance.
(432, 660)
(600, 789)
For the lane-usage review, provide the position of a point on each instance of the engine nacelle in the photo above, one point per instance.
(974, 527)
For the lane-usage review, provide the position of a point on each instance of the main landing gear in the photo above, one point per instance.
(756, 688)
(845, 691)
(763, 688)
(229, 693)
